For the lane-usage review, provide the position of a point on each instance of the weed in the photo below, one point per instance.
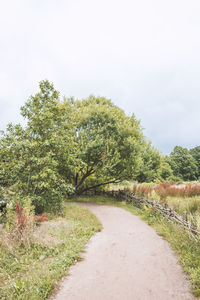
(42, 218)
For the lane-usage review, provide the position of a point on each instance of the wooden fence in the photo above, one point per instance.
(167, 212)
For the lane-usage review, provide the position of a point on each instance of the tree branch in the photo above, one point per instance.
(88, 173)
(97, 185)
(76, 179)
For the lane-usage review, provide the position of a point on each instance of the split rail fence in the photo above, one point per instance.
(167, 212)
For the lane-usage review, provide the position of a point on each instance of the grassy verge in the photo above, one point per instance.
(32, 271)
(187, 250)
(107, 200)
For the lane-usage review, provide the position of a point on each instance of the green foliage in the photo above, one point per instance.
(183, 164)
(195, 152)
(30, 157)
(2, 194)
(108, 144)
(154, 166)
(166, 172)
(68, 146)
(150, 168)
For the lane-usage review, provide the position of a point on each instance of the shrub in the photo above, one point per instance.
(22, 218)
(21, 222)
(42, 218)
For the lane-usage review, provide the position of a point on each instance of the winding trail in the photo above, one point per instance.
(127, 260)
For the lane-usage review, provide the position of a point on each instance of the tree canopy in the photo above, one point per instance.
(150, 167)
(71, 146)
(108, 144)
(183, 164)
(68, 146)
(195, 152)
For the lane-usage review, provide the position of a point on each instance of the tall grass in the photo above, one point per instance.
(181, 197)
(165, 189)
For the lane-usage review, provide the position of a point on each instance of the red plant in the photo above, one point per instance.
(22, 218)
(41, 218)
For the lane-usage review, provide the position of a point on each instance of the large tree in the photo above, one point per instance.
(108, 144)
(29, 157)
(68, 145)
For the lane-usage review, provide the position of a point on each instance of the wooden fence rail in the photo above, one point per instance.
(167, 212)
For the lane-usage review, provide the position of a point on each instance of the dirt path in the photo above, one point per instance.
(126, 261)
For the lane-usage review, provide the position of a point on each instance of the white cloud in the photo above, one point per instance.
(144, 55)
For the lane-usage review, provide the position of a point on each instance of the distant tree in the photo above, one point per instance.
(183, 164)
(166, 172)
(195, 152)
(151, 162)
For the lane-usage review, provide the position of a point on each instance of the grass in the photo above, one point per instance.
(189, 204)
(121, 185)
(187, 250)
(98, 199)
(129, 184)
(32, 271)
(183, 198)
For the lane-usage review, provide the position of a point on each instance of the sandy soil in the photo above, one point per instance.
(126, 261)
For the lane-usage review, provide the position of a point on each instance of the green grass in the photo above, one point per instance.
(32, 271)
(128, 184)
(98, 199)
(187, 250)
(189, 204)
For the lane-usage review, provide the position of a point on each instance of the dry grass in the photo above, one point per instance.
(183, 197)
(13, 238)
(51, 233)
(166, 189)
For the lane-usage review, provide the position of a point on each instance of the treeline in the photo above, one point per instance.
(71, 146)
(181, 165)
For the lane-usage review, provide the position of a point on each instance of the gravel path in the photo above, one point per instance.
(126, 261)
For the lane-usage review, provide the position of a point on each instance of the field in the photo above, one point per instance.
(183, 197)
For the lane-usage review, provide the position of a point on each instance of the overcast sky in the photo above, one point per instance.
(144, 55)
